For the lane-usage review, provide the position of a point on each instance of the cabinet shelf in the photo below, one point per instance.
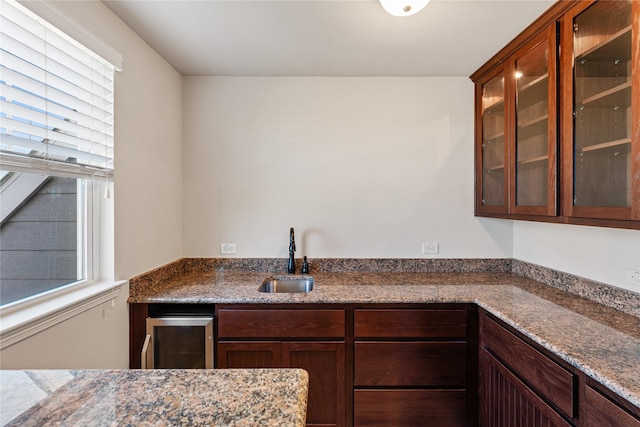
(495, 168)
(533, 162)
(534, 83)
(618, 96)
(615, 47)
(535, 126)
(493, 137)
(494, 104)
(607, 144)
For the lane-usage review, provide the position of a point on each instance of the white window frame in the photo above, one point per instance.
(24, 318)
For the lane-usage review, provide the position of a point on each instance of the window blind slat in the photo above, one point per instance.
(28, 62)
(22, 21)
(56, 99)
(17, 72)
(17, 112)
(24, 147)
(13, 94)
(53, 137)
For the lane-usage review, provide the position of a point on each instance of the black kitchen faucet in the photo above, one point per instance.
(291, 267)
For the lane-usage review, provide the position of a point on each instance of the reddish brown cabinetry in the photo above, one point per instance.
(516, 131)
(411, 368)
(519, 385)
(522, 385)
(254, 337)
(557, 122)
(601, 120)
(601, 408)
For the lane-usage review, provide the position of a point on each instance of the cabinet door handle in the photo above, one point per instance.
(145, 353)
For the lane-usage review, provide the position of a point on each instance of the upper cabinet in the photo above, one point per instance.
(516, 129)
(533, 158)
(558, 122)
(601, 127)
(492, 152)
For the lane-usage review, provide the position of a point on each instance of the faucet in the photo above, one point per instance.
(291, 267)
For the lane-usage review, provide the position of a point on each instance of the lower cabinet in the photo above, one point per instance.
(294, 343)
(523, 385)
(505, 401)
(409, 407)
(411, 368)
(520, 386)
(408, 365)
(600, 408)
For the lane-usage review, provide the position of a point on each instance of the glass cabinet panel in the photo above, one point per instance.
(493, 142)
(532, 127)
(602, 37)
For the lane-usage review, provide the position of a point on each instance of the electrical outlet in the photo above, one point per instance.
(633, 276)
(228, 248)
(430, 248)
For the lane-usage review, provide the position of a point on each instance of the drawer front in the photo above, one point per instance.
(600, 411)
(410, 323)
(384, 408)
(410, 364)
(545, 376)
(281, 323)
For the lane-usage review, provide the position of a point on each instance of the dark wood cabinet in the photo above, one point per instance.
(601, 87)
(505, 401)
(601, 408)
(520, 386)
(492, 152)
(411, 368)
(407, 365)
(557, 119)
(255, 337)
(410, 407)
(516, 131)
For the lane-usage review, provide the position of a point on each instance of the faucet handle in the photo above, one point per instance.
(292, 240)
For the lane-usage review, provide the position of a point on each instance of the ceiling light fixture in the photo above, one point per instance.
(403, 7)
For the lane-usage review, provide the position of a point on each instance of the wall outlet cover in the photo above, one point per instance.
(228, 248)
(430, 248)
(633, 276)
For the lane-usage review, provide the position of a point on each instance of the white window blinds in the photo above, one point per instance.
(56, 100)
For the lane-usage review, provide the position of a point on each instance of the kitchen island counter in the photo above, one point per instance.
(238, 397)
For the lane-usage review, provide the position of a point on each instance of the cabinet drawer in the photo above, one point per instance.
(541, 373)
(600, 411)
(410, 364)
(281, 323)
(442, 408)
(410, 323)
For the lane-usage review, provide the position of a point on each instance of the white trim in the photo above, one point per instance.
(27, 318)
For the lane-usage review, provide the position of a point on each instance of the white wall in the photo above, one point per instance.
(602, 254)
(147, 194)
(361, 167)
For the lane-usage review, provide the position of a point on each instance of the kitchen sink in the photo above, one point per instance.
(287, 285)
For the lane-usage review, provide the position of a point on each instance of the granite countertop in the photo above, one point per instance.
(225, 397)
(601, 341)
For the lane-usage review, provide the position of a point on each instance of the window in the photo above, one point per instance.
(56, 156)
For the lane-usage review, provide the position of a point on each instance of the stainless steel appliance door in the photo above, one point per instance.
(178, 343)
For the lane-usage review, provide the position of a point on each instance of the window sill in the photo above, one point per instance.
(25, 319)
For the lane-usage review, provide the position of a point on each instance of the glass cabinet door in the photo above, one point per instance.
(602, 110)
(534, 160)
(493, 145)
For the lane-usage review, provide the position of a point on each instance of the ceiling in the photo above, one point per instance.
(326, 37)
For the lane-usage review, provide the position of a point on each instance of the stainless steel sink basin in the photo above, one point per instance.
(287, 285)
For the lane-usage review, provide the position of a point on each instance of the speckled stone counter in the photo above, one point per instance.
(601, 341)
(229, 397)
